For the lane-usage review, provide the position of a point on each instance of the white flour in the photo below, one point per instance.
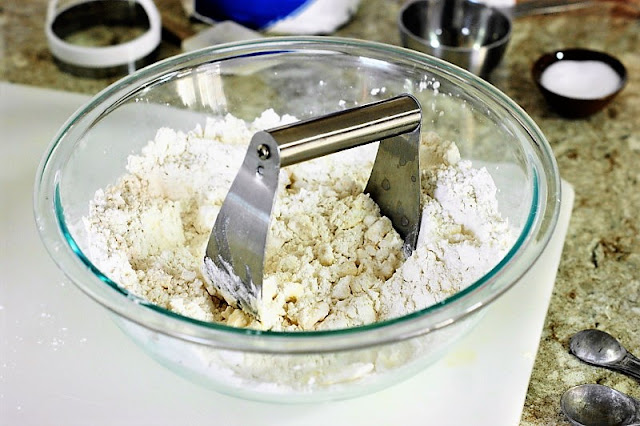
(332, 260)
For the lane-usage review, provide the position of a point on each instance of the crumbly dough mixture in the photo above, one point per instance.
(332, 260)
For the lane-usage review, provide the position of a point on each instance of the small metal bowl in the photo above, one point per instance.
(468, 34)
(571, 107)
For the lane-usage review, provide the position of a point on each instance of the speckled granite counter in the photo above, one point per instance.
(598, 284)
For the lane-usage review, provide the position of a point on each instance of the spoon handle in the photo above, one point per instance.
(629, 365)
(539, 7)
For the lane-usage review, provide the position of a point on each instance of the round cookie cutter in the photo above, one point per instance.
(67, 19)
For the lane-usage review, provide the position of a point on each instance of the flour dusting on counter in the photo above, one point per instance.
(332, 260)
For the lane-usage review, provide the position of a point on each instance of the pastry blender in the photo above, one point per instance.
(234, 259)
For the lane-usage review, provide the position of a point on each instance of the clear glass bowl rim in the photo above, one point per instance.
(67, 255)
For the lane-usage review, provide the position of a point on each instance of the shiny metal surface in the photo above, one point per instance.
(592, 404)
(238, 239)
(463, 32)
(599, 348)
(543, 7)
(467, 33)
(331, 133)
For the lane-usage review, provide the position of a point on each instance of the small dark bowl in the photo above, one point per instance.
(573, 107)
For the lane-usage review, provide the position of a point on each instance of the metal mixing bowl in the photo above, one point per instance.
(463, 32)
(305, 77)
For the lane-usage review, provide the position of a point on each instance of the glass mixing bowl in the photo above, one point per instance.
(304, 77)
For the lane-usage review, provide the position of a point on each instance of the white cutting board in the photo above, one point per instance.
(63, 362)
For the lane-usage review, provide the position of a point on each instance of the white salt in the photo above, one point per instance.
(581, 79)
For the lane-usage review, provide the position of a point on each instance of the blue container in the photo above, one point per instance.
(282, 16)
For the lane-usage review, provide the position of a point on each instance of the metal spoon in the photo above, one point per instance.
(591, 404)
(542, 7)
(599, 348)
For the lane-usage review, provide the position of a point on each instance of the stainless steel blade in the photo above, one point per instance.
(234, 258)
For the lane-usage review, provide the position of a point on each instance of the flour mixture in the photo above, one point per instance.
(332, 260)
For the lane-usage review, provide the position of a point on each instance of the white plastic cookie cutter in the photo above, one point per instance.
(66, 17)
(234, 258)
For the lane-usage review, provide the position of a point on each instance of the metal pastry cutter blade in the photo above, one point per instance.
(234, 258)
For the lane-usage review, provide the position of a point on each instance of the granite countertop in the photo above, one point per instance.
(598, 283)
